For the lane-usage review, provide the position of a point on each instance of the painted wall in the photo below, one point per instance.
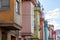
(10, 16)
(42, 29)
(54, 35)
(7, 15)
(41, 26)
(45, 30)
(37, 24)
(27, 18)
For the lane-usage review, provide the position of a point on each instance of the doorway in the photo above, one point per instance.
(4, 35)
(13, 38)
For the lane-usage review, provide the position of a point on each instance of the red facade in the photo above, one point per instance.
(54, 35)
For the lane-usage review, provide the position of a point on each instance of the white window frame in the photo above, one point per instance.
(18, 6)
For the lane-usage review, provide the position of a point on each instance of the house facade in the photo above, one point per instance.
(41, 24)
(10, 19)
(52, 33)
(36, 35)
(46, 30)
(27, 19)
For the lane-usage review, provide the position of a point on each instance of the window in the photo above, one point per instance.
(17, 6)
(4, 35)
(0, 3)
(4, 4)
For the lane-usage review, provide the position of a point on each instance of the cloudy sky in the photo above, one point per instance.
(53, 17)
(52, 12)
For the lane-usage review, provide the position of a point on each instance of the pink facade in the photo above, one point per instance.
(27, 18)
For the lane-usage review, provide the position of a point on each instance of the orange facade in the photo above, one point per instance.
(10, 20)
(42, 29)
(9, 17)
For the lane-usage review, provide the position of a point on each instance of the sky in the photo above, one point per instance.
(52, 12)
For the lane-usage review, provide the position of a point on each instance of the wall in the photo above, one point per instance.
(10, 15)
(7, 15)
(42, 29)
(27, 18)
(45, 30)
(36, 24)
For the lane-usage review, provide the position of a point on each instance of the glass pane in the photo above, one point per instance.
(5, 3)
(16, 6)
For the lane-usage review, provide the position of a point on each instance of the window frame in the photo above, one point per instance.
(18, 6)
(7, 7)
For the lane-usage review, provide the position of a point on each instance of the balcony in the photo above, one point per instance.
(10, 26)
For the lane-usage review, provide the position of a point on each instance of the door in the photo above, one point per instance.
(13, 38)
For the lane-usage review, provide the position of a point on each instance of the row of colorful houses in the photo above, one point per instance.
(19, 20)
(47, 31)
(23, 20)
